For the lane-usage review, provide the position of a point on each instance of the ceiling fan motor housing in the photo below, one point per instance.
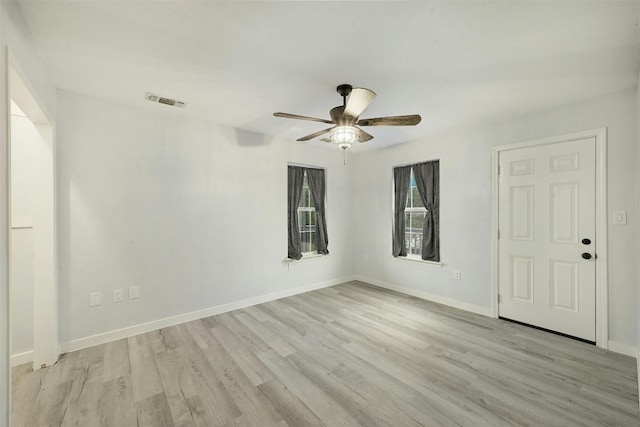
(344, 90)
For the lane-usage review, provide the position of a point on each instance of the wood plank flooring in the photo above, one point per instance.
(349, 355)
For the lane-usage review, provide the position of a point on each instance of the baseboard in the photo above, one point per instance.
(142, 328)
(22, 358)
(485, 311)
(623, 348)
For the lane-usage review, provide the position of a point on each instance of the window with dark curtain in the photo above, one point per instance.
(307, 224)
(416, 219)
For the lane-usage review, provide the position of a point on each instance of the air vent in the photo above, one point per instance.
(162, 100)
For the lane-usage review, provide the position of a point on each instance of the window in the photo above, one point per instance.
(416, 211)
(306, 219)
(414, 215)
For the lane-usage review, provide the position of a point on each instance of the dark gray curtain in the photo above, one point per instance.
(401, 176)
(428, 183)
(315, 178)
(295, 177)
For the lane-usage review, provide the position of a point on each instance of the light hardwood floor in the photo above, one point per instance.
(352, 354)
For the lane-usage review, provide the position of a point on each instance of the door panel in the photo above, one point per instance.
(521, 208)
(546, 207)
(522, 276)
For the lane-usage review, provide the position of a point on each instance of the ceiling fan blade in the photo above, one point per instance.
(410, 120)
(359, 99)
(362, 135)
(315, 134)
(295, 116)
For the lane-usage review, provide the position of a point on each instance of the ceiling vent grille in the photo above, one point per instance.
(162, 100)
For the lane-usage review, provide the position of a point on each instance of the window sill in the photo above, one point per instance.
(418, 260)
(310, 256)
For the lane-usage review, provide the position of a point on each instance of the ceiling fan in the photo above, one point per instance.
(346, 118)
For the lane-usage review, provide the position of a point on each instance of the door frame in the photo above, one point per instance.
(46, 347)
(602, 281)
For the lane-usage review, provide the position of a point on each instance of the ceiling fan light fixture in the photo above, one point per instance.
(344, 135)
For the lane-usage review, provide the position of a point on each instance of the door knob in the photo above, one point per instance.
(586, 255)
(586, 241)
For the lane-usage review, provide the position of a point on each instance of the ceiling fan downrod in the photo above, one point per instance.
(344, 90)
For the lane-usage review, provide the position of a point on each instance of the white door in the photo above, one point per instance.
(547, 235)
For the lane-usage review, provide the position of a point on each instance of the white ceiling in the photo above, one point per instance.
(235, 63)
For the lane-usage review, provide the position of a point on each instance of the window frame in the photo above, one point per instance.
(306, 210)
(413, 209)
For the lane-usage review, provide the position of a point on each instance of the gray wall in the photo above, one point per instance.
(465, 174)
(192, 212)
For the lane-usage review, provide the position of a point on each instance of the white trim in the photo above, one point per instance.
(307, 255)
(602, 239)
(623, 348)
(597, 133)
(302, 165)
(484, 311)
(421, 261)
(142, 328)
(495, 226)
(5, 217)
(602, 281)
(22, 358)
(413, 163)
(310, 255)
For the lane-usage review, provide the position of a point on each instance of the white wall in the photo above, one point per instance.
(15, 35)
(26, 59)
(465, 172)
(192, 212)
(23, 145)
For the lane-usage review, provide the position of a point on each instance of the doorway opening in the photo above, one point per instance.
(32, 239)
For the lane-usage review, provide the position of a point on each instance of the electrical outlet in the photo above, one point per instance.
(94, 299)
(134, 292)
(457, 274)
(117, 295)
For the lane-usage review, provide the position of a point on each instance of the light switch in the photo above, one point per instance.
(620, 217)
(94, 299)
